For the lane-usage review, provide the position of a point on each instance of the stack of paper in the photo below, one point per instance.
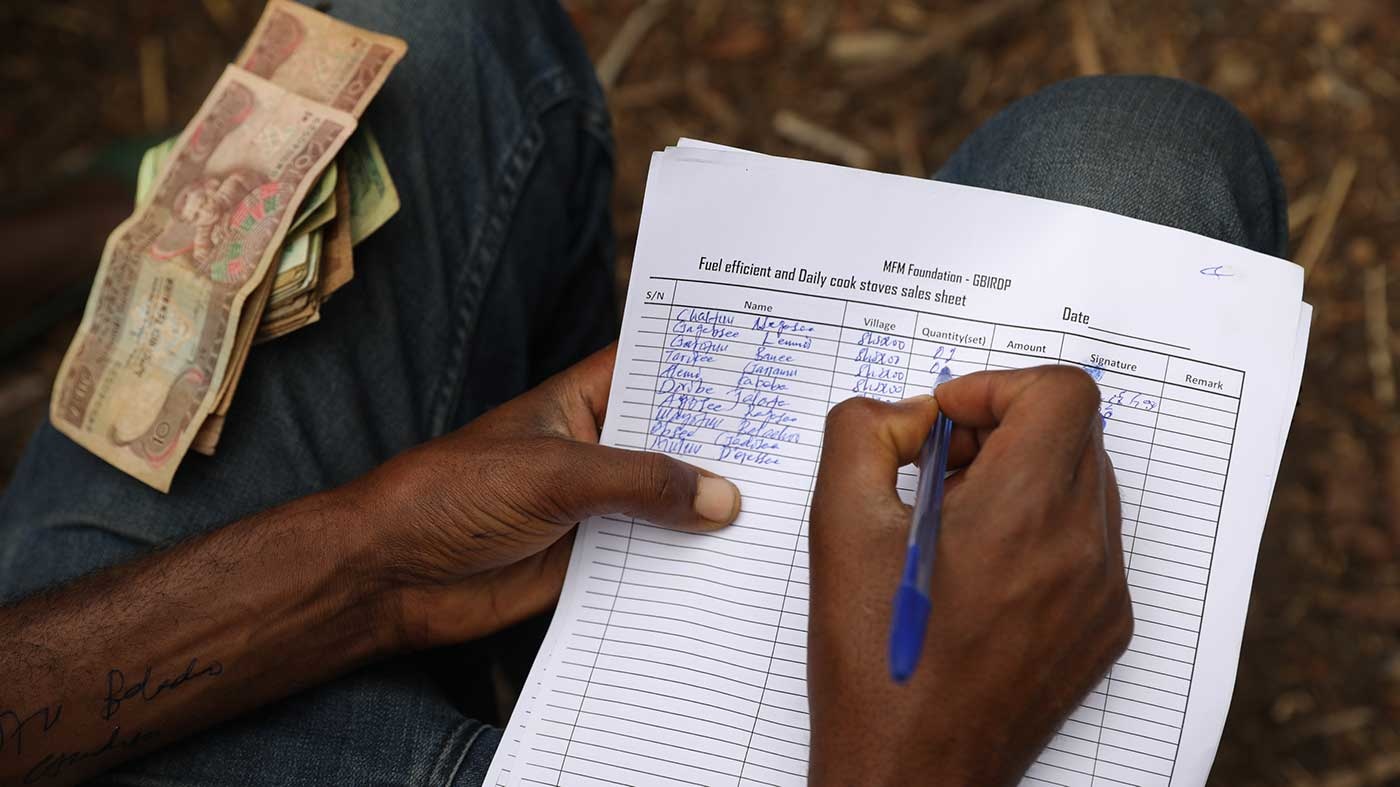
(764, 291)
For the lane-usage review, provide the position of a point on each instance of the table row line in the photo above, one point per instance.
(903, 325)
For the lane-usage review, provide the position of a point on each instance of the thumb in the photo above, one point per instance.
(644, 484)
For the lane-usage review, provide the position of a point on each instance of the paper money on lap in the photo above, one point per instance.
(156, 337)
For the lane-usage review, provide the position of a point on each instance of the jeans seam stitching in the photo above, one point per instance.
(440, 774)
(550, 89)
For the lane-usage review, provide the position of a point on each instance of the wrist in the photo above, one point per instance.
(347, 575)
(891, 748)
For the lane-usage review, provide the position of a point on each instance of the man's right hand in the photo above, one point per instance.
(1030, 601)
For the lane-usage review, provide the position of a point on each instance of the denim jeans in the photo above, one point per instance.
(496, 273)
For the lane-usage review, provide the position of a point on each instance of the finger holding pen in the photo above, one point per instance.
(1029, 600)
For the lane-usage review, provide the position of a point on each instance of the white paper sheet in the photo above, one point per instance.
(680, 659)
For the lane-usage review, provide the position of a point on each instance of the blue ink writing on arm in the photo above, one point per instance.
(52, 765)
(48, 718)
(118, 692)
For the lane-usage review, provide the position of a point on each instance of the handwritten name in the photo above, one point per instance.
(48, 718)
(118, 692)
(52, 765)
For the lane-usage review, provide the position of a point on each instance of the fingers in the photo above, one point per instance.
(595, 479)
(1053, 409)
(1113, 507)
(867, 442)
(569, 404)
(1095, 485)
(591, 380)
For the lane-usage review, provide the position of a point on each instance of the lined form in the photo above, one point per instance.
(766, 291)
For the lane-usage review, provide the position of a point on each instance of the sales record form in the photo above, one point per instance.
(754, 307)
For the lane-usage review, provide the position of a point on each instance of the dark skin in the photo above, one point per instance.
(1030, 599)
(471, 532)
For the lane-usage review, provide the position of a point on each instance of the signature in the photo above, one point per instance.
(48, 715)
(1218, 272)
(53, 764)
(118, 692)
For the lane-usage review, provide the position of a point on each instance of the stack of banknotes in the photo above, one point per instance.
(244, 225)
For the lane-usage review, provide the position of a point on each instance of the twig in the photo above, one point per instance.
(633, 31)
(819, 19)
(979, 78)
(796, 128)
(943, 38)
(712, 102)
(1380, 769)
(644, 94)
(906, 141)
(908, 14)
(155, 98)
(1167, 63)
(1331, 207)
(1086, 47)
(866, 47)
(1378, 335)
(1301, 210)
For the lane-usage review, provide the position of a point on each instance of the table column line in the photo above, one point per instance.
(792, 562)
(621, 574)
(1210, 566)
(1127, 564)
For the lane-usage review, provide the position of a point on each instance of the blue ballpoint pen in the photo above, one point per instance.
(911, 600)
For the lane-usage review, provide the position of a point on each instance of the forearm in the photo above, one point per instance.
(135, 657)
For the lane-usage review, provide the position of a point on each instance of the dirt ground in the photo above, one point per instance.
(892, 85)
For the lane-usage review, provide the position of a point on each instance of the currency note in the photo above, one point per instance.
(207, 435)
(337, 260)
(294, 252)
(151, 352)
(320, 58)
(373, 198)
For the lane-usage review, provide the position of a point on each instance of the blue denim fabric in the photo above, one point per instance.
(496, 273)
(1152, 148)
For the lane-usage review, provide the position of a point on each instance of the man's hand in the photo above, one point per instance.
(475, 527)
(448, 541)
(1030, 602)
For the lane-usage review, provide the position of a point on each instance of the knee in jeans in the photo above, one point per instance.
(1154, 148)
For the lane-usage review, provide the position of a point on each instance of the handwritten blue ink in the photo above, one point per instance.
(868, 339)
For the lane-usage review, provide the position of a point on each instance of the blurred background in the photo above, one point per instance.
(893, 85)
